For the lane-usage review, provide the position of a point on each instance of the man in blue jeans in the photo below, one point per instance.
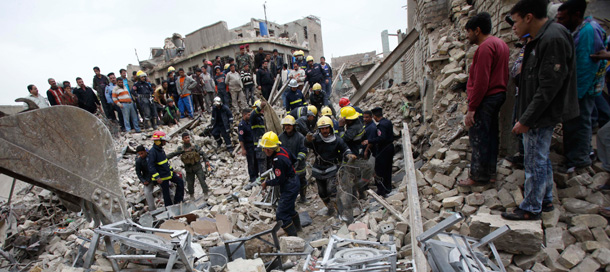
(589, 38)
(547, 96)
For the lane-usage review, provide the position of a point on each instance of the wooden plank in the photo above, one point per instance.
(415, 219)
(386, 65)
(275, 83)
(386, 205)
(178, 130)
(337, 75)
(273, 99)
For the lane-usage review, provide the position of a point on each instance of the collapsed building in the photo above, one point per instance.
(427, 110)
(218, 40)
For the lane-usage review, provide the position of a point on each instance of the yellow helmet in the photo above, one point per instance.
(269, 140)
(316, 87)
(349, 113)
(309, 58)
(299, 53)
(325, 121)
(326, 111)
(313, 109)
(288, 120)
(140, 73)
(227, 66)
(256, 104)
(171, 69)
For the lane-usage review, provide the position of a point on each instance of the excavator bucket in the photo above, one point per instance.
(68, 151)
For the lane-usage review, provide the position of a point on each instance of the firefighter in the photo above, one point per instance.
(354, 129)
(306, 124)
(257, 123)
(344, 102)
(294, 142)
(384, 151)
(222, 121)
(314, 73)
(191, 155)
(302, 111)
(318, 97)
(294, 98)
(162, 171)
(330, 151)
(286, 178)
(326, 111)
(299, 56)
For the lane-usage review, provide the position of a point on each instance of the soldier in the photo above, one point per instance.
(294, 142)
(162, 171)
(330, 151)
(222, 121)
(191, 155)
(286, 178)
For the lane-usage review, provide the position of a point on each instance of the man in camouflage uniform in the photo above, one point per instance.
(191, 155)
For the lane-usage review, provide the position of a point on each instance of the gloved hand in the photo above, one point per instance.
(297, 163)
(351, 157)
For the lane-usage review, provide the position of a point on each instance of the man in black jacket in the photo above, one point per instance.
(264, 80)
(222, 122)
(384, 152)
(294, 142)
(547, 96)
(87, 100)
(145, 177)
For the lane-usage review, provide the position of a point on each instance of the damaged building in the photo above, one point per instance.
(218, 40)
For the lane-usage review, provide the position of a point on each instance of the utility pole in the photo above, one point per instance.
(266, 23)
(137, 56)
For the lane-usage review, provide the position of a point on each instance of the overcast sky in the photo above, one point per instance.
(65, 39)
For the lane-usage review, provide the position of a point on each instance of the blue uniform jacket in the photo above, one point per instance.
(314, 74)
(295, 99)
(245, 134)
(224, 115)
(285, 176)
(158, 164)
(257, 123)
(385, 135)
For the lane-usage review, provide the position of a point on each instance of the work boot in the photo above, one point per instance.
(290, 230)
(303, 193)
(332, 206)
(296, 221)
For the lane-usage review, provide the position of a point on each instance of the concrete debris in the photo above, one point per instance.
(249, 265)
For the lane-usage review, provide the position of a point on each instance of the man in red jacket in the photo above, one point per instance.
(486, 90)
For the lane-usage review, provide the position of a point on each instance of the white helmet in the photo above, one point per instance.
(217, 101)
(293, 83)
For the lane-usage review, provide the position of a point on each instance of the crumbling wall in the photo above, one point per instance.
(206, 37)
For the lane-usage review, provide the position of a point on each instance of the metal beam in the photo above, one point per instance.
(413, 199)
(386, 65)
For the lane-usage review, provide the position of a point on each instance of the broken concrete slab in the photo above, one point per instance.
(291, 244)
(579, 206)
(589, 220)
(525, 237)
(248, 265)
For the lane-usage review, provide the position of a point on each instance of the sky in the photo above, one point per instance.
(66, 39)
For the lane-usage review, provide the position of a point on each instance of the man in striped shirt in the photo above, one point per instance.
(121, 98)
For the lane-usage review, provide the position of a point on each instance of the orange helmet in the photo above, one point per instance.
(344, 101)
(159, 136)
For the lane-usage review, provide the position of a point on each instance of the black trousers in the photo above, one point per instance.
(483, 138)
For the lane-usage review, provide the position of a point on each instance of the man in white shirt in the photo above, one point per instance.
(40, 101)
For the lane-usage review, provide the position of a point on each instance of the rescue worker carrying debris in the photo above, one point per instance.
(330, 151)
(286, 178)
(190, 155)
(358, 177)
(294, 98)
(257, 123)
(222, 120)
(294, 142)
(162, 171)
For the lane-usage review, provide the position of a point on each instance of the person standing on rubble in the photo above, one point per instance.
(330, 150)
(294, 142)
(159, 97)
(257, 123)
(191, 155)
(248, 82)
(144, 95)
(259, 58)
(589, 38)
(314, 73)
(197, 92)
(222, 122)
(235, 88)
(264, 80)
(185, 84)
(328, 78)
(209, 88)
(247, 144)
(547, 96)
(221, 87)
(243, 59)
(87, 100)
(370, 129)
(286, 178)
(162, 172)
(486, 91)
(145, 177)
(121, 97)
(114, 107)
(294, 98)
(171, 79)
(297, 74)
(277, 62)
(99, 85)
(318, 97)
(384, 152)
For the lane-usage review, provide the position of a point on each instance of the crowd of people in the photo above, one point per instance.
(559, 76)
